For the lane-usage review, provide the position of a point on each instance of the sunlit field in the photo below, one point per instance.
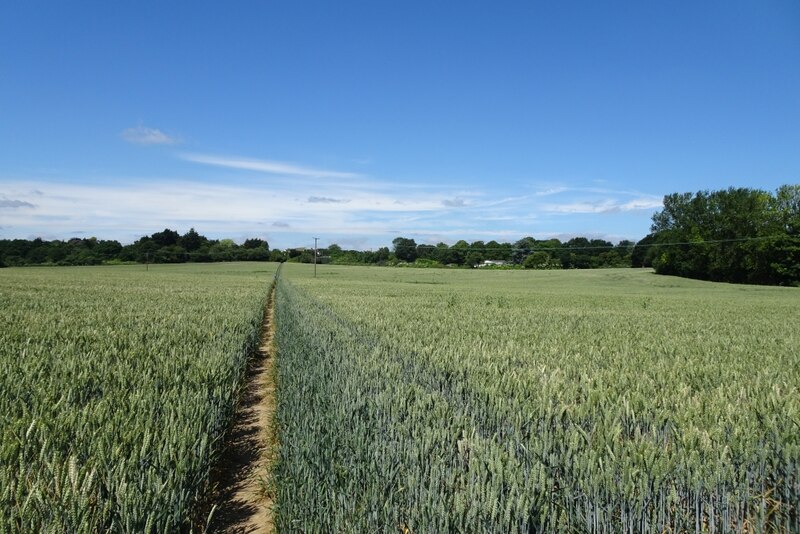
(429, 400)
(117, 385)
(505, 401)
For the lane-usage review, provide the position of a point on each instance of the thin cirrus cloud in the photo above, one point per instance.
(604, 206)
(457, 202)
(142, 135)
(265, 166)
(593, 200)
(11, 203)
(328, 200)
(154, 204)
(366, 207)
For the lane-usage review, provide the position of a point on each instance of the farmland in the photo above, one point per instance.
(596, 401)
(609, 400)
(116, 388)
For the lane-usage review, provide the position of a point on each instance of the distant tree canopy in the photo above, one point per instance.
(735, 235)
(579, 252)
(76, 251)
(405, 249)
(167, 246)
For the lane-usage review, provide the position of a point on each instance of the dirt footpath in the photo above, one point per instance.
(243, 490)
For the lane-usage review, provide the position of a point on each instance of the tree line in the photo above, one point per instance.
(167, 246)
(737, 235)
(576, 253)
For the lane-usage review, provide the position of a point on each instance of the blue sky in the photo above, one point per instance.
(358, 122)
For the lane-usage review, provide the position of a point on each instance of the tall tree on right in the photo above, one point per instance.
(736, 235)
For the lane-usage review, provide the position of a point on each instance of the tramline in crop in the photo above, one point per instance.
(433, 401)
(606, 401)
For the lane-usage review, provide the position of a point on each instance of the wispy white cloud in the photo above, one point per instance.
(328, 200)
(142, 135)
(593, 200)
(457, 202)
(265, 166)
(645, 203)
(604, 206)
(366, 208)
(149, 205)
(564, 189)
(551, 191)
(11, 203)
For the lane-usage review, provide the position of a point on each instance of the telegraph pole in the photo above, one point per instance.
(315, 256)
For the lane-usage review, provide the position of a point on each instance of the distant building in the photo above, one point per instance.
(489, 263)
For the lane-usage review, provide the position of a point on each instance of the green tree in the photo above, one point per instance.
(334, 251)
(522, 248)
(473, 258)
(537, 260)
(108, 249)
(380, 256)
(642, 254)
(255, 243)
(405, 249)
(426, 252)
(498, 251)
(733, 235)
(166, 238)
(192, 241)
(787, 209)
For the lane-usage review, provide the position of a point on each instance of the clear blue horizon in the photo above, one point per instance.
(358, 122)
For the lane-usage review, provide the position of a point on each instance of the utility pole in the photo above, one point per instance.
(315, 256)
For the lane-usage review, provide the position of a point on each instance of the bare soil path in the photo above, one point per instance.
(243, 501)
